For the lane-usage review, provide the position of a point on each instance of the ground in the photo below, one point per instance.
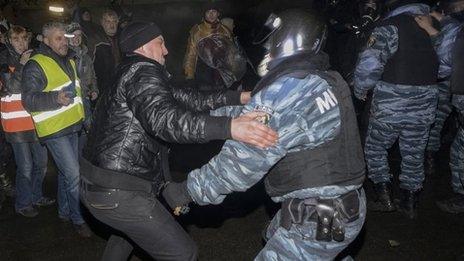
(223, 233)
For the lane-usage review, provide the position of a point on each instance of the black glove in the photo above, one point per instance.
(177, 197)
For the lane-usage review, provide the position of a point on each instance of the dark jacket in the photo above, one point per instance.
(106, 58)
(11, 74)
(34, 81)
(132, 122)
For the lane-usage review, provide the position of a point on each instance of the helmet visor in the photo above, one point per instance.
(272, 23)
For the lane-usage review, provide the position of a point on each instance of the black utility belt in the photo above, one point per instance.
(95, 188)
(106, 179)
(331, 215)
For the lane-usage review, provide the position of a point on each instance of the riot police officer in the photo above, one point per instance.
(444, 41)
(401, 66)
(451, 41)
(316, 170)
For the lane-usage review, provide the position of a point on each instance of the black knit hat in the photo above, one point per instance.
(136, 34)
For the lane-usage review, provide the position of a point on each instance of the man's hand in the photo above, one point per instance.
(247, 129)
(177, 197)
(25, 57)
(245, 97)
(425, 22)
(63, 98)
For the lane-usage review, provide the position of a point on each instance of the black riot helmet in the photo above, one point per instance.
(290, 33)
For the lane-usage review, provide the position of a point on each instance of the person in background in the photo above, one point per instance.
(444, 40)
(107, 54)
(86, 74)
(194, 67)
(400, 65)
(450, 41)
(30, 156)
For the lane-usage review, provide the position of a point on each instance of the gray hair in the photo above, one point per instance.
(51, 26)
(109, 13)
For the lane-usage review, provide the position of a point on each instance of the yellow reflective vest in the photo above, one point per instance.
(51, 122)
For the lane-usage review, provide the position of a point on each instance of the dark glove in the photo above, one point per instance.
(177, 197)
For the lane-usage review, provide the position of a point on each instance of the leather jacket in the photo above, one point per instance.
(142, 112)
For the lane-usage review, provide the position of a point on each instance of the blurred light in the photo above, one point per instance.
(276, 22)
(289, 47)
(69, 35)
(56, 9)
(299, 41)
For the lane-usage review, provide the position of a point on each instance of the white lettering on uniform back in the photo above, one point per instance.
(326, 102)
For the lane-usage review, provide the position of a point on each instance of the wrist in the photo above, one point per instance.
(184, 190)
(245, 97)
(218, 128)
(432, 31)
(233, 97)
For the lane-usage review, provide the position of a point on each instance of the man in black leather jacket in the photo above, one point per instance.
(124, 165)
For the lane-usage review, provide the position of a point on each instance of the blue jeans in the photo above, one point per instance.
(31, 166)
(64, 151)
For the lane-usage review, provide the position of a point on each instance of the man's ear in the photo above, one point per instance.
(46, 41)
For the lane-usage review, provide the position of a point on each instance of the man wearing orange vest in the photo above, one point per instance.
(30, 156)
(52, 94)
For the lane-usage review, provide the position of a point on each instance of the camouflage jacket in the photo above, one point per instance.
(458, 102)
(296, 109)
(391, 102)
(444, 45)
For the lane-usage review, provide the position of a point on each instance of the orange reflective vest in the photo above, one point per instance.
(14, 117)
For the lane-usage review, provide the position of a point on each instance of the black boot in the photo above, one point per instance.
(407, 203)
(384, 202)
(452, 205)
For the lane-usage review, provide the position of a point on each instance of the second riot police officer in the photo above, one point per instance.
(401, 66)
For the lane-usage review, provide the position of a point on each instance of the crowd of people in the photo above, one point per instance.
(98, 99)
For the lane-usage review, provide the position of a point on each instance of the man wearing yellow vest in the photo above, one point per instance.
(30, 156)
(52, 94)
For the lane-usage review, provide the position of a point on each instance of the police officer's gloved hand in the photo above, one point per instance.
(177, 197)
